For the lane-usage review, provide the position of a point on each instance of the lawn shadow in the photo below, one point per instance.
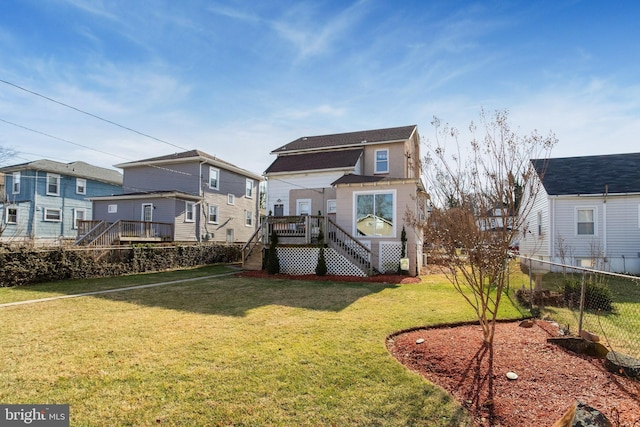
(233, 295)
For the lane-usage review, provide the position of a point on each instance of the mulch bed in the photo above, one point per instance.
(550, 378)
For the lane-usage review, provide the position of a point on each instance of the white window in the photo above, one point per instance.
(303, 207)
(213, 214)
(189, 212)
(231, 199)
(112, 209)
(382, 161)
(12, 215)
(248, 218)
(331, 206)
(249, 188)
(52, 215)
(53, 184)
(81, 186)
(16, 182)
(375, 214)
(230, 235)
(214, 178)
(78, 215)
(586, 221)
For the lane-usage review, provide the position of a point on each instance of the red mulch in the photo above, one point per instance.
(550, 378)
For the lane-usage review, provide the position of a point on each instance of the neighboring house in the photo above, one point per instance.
(367, 183)
(587, 213)
(44, 200)
(190, 196)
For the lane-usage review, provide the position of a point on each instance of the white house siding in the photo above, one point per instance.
(281, 185)
(623, 233)
(565, 228)
(531, 243)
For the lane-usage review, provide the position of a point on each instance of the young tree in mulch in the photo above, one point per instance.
(478, 210)
(321, 267)
(478, 207)
(273, 262)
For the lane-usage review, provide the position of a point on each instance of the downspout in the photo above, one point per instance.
(202, 204)
(552, 230)
(33, 207)
(604, 223)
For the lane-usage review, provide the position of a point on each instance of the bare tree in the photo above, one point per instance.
(481, 183)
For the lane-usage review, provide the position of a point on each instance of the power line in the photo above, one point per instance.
(91, 114)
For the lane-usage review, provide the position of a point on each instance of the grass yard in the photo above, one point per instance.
(226, 351)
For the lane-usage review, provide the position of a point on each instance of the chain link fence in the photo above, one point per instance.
(585, 301)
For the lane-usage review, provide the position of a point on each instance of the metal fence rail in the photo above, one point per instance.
(584, 299)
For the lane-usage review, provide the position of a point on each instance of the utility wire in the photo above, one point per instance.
(91, 115)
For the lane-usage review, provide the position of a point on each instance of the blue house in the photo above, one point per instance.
(43, 200)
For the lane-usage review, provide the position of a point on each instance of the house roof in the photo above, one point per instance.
(612, 174)
(149, 195)
(77, 169)
(341, 159)
(191, 155)
(348, 139)
(350, 179)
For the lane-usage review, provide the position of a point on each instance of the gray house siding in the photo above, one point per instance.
(182, 177)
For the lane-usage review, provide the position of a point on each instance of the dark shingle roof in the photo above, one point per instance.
(346, 139)
(613, 173)
(315, 161)
(359, 179)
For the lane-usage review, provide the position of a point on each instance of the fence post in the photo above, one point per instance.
(530, 284)
(583, 291)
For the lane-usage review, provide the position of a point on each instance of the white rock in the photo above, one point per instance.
(512, 375)
(419, 340)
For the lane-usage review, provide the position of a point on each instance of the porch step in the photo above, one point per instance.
(254, 261)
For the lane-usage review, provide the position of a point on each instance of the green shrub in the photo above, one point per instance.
(596, 297)
(273, 262)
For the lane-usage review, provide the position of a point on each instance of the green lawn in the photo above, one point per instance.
(226, 351)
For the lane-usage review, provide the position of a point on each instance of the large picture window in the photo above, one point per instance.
(375, 214)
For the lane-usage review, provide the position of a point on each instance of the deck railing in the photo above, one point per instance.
(106, 234)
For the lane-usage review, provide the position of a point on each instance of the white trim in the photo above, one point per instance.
(375, 160)
(394, 195)
(112, 208)
(209, 214)
(595, 220)
(145, 205)
(51, 176)
(52, 210)
(81, 186)
(15, 189)
(189, 207)
(231, 199)
(6, 218)
(335, 206)
(74, 224)
(301, 201)
(248, 191)
(248, 218)
(217, 186)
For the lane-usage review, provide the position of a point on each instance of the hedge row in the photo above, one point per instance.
(25, 266)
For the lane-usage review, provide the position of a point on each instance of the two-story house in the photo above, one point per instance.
(366, 183)
(190, 196)
(44, 200)
(586, 213)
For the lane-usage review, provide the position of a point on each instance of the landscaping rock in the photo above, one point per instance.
(581, 415)
(622, 364)
(527, 323)
(589, 336)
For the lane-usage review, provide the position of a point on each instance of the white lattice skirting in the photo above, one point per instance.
(390, 253)
(305, 260)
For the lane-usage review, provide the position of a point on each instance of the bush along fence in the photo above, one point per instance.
(593, 304)
(24, 266)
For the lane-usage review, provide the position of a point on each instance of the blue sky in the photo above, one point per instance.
(238, 79)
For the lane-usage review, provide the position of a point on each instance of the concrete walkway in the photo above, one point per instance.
(108, 291)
